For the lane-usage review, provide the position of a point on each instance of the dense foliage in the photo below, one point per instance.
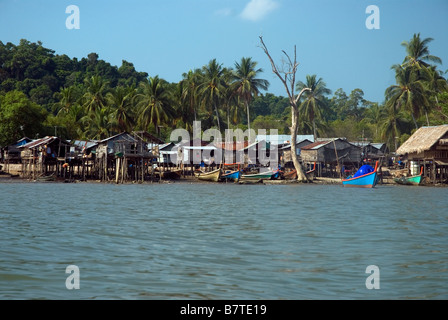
(42, 93)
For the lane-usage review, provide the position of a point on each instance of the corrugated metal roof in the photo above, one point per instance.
(315, 145)
(83, 143)
(42, 141)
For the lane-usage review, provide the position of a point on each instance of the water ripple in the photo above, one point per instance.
(209, 241)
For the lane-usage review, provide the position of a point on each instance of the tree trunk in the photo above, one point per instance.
(248, 119)
(217, 118)
(288, 80)
(301, 175)
(415, 121)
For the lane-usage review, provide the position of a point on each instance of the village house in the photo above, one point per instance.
(122, 157)
(373, 151)
(45, 156)
(427, 148)
(333, 157)
(11, 154)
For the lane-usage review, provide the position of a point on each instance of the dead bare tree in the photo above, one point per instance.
(288, 78)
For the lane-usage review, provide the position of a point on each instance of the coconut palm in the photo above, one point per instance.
(435, 82)
(120, 100)
(392, 124)
(374, 115)
(95, 96)
(418, 53)
(247, 85)
(314, 103)
(189, 91)
(212, 87)
(154, 104)
(409, 92)
(67, 98)
(97, 123)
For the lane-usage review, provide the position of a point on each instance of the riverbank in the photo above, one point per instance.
(14, 175)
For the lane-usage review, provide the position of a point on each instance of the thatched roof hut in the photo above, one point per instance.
(425, 139)
(428, 148)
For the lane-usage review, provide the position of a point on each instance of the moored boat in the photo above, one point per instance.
(46, 178)
(311, 173)
(412, 180)
(292, 175)
(365, 177)
(214, 175)
(171, 174)
(262, 175)
(231, 175)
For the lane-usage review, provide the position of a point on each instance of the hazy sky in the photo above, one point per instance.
(170, 37)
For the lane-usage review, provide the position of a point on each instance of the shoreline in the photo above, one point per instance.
(7, 178)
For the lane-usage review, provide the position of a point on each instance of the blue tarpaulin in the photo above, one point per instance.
(363, 170)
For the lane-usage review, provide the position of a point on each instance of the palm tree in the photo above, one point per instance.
(95, 95)
(120, 101)
(418, 53)
(435, 83)
(189, 95)
(408, 93)
(97, 123)
(67, 98)
(212, 87)
(247, 85)
(154, 103)
(374, 115)
(314, 102)
(392, 125)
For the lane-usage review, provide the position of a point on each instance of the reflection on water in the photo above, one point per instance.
(222, 241)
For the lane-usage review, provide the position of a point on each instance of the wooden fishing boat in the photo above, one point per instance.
(367, 180)
(412, 180)
(171, 174)
(46, 178)
(262, 175)
(311, 173)
(214, 175)
(231, 175)
(292, 175)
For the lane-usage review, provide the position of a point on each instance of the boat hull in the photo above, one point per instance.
(264, 175)
(213, 176)
(175, 174)
(234, 175)
(368, 180)
(361, 182)
(414, 180)
(292, 175)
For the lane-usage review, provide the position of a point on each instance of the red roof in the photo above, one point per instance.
(315, 144)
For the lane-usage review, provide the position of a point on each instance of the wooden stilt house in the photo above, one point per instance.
(427, 148)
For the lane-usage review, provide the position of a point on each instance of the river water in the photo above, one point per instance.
(222, 241)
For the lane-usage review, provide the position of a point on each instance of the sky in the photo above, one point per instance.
(334, 39)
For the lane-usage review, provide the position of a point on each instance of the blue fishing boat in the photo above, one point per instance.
(231, 175)
(365, 177)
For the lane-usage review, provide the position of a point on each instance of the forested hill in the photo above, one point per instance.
(40, 73)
